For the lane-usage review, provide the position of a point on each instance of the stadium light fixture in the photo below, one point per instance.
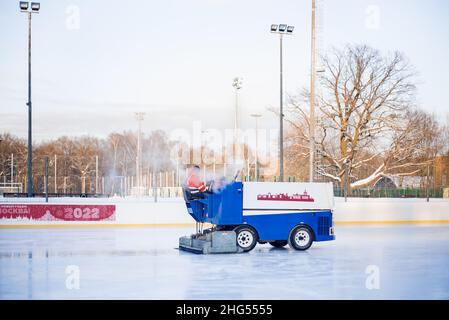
(23, 6)
(237, 83)
(282, 27)
(35, 6)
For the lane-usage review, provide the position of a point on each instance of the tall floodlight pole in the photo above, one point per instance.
(282, 30)
(312, 95)
(139, 118)
(56, 173)
(96, 174)
(238, 85)
(256, 157)
(46, 179)
(203, 163)
(29, 10)
(12, 169)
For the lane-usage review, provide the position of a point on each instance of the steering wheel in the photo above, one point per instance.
(236, 175)
(210, 186)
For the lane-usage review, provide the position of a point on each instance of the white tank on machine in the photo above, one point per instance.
(268, 196)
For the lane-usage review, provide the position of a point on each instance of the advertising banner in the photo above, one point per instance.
(58, 212)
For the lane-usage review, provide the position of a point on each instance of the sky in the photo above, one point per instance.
(95, 62)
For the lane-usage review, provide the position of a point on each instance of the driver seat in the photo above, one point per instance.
(189, 196)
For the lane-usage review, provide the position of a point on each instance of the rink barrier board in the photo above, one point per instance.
(187, 225)
(173, 214)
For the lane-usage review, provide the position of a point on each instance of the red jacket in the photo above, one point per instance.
(194, 182)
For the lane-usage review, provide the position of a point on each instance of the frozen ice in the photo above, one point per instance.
(144, 263)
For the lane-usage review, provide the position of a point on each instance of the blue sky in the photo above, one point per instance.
(175, 59)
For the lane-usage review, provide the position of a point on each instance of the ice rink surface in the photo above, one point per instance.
(411, 262)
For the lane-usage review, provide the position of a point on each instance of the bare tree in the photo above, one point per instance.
(12, 145)
(366, 117)
(156, 151)
(83, 160)
(76, 159)
(113, 144)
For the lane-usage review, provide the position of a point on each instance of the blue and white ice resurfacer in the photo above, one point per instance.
(244, 214)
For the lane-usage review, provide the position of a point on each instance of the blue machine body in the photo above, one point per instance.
(225, 208)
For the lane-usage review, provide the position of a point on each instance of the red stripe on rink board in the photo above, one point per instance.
(58, 212)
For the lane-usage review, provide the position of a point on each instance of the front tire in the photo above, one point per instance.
(301, 238)
(246, 238)
(279, 243)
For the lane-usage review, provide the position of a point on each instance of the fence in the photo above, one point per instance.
(168, 184)
(394, 193)
(10, 187)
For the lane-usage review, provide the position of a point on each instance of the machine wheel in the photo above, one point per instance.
(301, 238)
(279, 243)
(246, 238)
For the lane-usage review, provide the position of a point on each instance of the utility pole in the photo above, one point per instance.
(46, 179)
(30, 144)
(256, 156)
(312, 95)
(428, 183)
(177, 171)
(281, 117)
(12, 169)
(96, 174)
(155, 186)
(56, 173)
(237, 84)
(139, 118)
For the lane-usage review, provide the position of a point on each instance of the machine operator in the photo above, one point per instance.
(194, 181)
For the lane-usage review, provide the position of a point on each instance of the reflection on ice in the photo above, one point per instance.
(143, 263)
(67, 253)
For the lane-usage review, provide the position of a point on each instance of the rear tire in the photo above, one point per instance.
(300, 238)
(279, 243)
(246, 238)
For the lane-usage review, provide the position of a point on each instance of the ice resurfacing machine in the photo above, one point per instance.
(244, 214)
